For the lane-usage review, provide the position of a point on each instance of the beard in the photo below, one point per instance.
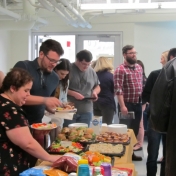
(44, 67)
(130, 60)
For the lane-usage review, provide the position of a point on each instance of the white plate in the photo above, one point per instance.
(47, 127)
(77, 125)
(67, 110)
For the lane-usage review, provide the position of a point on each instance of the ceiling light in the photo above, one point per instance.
(119, 6)
(168, 5)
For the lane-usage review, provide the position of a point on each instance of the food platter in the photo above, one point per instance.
(120, 142)
(107, 151)
(43, 126)
(82, 135)
(62, 147)
(113, 138)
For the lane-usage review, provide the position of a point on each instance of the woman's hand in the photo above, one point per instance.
(54, 158)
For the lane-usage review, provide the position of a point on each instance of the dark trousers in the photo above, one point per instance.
(106, 112)
(154, 139)
(133, 123)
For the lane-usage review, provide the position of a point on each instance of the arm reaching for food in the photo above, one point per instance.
(29, 144)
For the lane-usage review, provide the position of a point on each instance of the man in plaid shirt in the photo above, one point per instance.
(128, 88)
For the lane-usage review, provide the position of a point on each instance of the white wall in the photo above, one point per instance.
(5, 50)
(151, 39)
(20, 46)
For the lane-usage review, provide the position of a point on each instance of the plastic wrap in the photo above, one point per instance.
(66, 163)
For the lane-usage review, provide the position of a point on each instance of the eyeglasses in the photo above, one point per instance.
(84, 64)
(134, 53)
(42, 80)
(53, 61)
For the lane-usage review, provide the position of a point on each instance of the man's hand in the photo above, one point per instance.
(124, 110)
(51, 103)
(94, 95)
(78, 96)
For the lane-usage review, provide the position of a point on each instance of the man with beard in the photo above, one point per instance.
(128, 88)
(45, 81)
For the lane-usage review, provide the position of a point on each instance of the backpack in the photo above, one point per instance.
(161, 97)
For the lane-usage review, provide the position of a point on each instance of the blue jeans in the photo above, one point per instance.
(154, 139)
(79, 118)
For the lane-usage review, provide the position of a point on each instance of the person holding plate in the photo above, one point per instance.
(62, 69)
(45, 81)
(83, 88)
(17, 143)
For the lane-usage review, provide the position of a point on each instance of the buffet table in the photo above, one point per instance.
(122, 162)
(126, 160)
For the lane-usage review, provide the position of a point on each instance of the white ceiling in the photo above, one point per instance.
(70, 10)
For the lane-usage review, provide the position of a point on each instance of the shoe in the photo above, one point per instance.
(136, 158)
(138, 149)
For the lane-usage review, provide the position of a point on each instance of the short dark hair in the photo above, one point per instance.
(64, 65)
(84, 55)
(172, 52)
(126, 48)
(16, 77)
(51, 45)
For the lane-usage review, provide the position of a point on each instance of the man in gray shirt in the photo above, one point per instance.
(83, 83)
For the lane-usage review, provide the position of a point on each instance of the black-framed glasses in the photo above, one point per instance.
(43, 84)
(53, 61)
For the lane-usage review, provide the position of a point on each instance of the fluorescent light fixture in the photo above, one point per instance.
(119, 6)
(167, 5)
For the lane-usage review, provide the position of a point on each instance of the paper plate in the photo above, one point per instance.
(43, 126)
(66, 110)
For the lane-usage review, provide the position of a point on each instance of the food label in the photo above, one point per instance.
(95, 122)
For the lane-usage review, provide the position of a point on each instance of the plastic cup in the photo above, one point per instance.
(83, 169)
(107, 169)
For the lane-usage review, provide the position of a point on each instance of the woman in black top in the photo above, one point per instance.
(105, 105)
(16, 141)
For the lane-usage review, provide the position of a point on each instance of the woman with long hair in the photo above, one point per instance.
(62, 69)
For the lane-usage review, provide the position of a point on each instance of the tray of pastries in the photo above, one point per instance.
(113, 138)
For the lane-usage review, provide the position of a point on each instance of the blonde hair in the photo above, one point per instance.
(103, 63)
(165, 54)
